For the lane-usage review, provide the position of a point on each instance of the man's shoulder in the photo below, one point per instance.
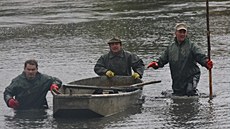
(104, 55)
(18, 80)
(127, 52)
(19, 77)
(42, 75)
(188, 41)
(192, 44)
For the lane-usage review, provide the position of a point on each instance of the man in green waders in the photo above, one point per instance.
(182, 56)
(28, 90)
(119, 62)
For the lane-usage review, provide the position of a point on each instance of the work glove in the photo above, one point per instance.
(13, 103)
(135, 75)
(209, 64)
(54, 87)
(109, 73)
(153, 64)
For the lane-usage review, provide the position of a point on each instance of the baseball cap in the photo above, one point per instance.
(181, 26)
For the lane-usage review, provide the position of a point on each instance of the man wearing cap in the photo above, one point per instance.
(183, 56)
(119, 62)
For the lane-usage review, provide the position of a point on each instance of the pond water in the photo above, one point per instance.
(67, 38)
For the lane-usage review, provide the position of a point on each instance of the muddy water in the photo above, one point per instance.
(67, 38)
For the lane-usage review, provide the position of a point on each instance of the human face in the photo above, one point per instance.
(30, 71)
(115, 47)
(181, 35)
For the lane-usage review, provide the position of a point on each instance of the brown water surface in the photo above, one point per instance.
(68, 36)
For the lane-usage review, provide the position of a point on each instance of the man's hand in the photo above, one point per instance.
(153, 64)
(109, 73)
(209, 64)
(135, 75)
(54, 87)
(13, 103)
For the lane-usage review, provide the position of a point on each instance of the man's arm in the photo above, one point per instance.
(100, 67)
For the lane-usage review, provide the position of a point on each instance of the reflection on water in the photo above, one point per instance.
(182, 111)
(40, 119)
(27, 119)
(96, 123)
(68, 36)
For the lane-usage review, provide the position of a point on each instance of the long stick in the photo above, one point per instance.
(145, 83)
(209, 49)
(121, 88)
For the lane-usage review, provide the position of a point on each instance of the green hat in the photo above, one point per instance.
(114, 40)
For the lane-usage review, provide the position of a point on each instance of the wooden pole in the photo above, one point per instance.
(119, 88)
(209, 49)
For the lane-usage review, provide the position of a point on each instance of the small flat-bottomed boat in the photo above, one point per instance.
(97, 96)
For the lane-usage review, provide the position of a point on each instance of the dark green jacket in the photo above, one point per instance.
(31, 94)
(121, 64)
(182, 59)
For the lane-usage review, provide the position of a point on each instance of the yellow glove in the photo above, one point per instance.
(135, 75)
(109, 73)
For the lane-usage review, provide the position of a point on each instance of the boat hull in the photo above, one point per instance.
(83, 102)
